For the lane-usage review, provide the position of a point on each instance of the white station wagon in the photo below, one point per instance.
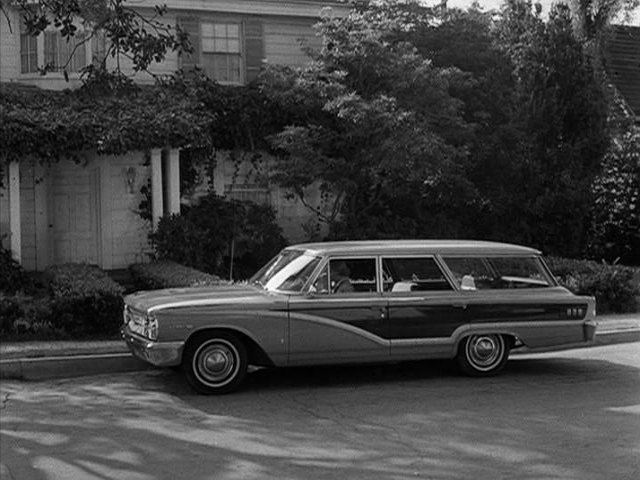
(362, 302)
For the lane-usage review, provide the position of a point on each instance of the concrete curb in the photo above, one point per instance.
(45, 368)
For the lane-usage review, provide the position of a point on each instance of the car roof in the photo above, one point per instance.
(401, 247)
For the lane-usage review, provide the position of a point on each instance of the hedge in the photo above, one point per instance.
(168, 274)
(13, 278)
(616, 287)
(84, 300)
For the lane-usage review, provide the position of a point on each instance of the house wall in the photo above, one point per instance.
(9, 48)
(4, 209)
(243, 180)
(283, 27)
(124, 232)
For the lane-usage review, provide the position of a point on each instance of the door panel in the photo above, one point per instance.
(338, 328)
(431, 317)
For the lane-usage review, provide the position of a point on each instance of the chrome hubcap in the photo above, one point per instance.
(485, 351)
(216, 362)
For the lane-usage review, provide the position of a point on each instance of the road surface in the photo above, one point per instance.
(563, 415)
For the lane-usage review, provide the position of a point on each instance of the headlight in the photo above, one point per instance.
(151, 327)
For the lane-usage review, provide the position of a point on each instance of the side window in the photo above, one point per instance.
(479, 273)
(357, 275)
(471, 273)
(413, 274)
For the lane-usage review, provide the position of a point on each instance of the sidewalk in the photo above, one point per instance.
(60, 359)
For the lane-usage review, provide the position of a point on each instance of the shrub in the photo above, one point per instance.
(85, 301)
(616, 287)
(167, 274)
(26, 317)
(204, 236)
(12, 276)
(615, 230)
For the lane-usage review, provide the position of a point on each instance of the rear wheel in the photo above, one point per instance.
(483, 355)
(215, 363)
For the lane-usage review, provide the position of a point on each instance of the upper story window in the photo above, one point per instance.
(56, 52)
(65, 53)
(221, 51)
(28, 52)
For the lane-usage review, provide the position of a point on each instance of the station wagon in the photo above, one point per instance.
(362, 302)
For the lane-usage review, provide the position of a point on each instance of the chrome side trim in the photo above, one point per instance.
(304, 317)
(583, 328)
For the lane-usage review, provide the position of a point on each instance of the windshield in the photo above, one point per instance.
(288, 271)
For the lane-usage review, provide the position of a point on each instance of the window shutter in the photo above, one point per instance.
(254, 48)
(191, 25)
(51, 49)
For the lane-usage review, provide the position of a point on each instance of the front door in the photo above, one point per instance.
(343, 319)
(73, 221)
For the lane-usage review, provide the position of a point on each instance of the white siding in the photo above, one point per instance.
(291, 215)
(9, 47)
(125, 231)
(27, 214)
(4, 208)
(284, 39)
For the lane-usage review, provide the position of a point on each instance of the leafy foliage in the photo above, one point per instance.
(13, 278)
(616, 287)
(362, 133)
(139, 38)
(84, 300)
(615, 231)
(48, 125)
(207, 235)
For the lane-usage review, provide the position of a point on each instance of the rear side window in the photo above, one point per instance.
(413, 274)
(485, 273)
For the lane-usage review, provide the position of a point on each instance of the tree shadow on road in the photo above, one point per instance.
(552, 417)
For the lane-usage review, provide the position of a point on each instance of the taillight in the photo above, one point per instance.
(576, 312)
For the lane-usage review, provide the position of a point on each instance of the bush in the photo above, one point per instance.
(204, 236)
(167, 274)
(616, 287)
(615, 230)
(85, 301)
(26, 317)
(13, 278)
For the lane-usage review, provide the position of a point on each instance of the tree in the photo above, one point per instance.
(563, 110)
(376, 121)
(615, 232)
(128, 33)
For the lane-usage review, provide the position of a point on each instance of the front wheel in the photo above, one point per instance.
(215, 363)
(482, 355)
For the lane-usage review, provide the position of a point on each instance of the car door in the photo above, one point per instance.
(343, 318)
(424, 307)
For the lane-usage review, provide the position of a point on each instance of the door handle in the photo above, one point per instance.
(463, 306)
(381, 311)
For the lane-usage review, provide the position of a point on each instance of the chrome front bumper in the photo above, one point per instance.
(161, 354)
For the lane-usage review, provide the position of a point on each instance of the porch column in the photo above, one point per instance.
(14, 211)
(172, 181)
(157, 204)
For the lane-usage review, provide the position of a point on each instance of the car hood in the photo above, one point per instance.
(154, 300)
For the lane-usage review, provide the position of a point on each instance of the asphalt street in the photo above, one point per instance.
(561, 415)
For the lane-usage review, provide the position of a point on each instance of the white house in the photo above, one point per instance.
(87, 211)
